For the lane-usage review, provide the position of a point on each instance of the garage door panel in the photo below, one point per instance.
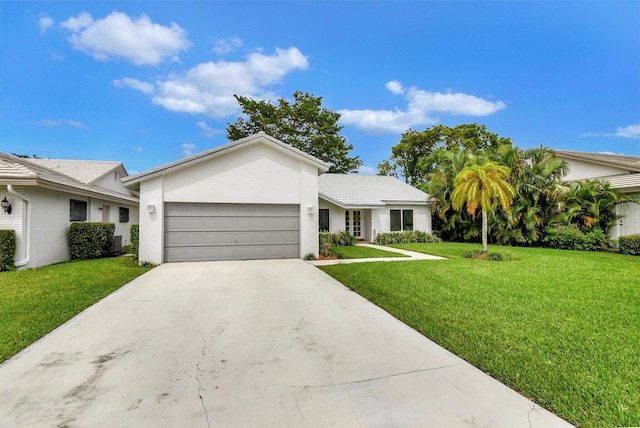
(231, 231)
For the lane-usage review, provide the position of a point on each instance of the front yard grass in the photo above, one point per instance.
(560, 327)
(360, 252)
(34, 302)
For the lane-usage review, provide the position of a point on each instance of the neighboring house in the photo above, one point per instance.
(621, 172)
(258, 198)
(47, 195)
(367, 205)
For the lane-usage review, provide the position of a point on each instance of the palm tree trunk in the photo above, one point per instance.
(484, 232)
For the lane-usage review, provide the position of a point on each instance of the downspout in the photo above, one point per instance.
(27, 232)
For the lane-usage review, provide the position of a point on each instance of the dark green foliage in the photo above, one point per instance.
(90, 240)
(7, 250)
(325, 244)
(630, 245)
(408, 236)
(338, 239)
(304, 124)
(134, 231)
(494, 257)
(572, 238)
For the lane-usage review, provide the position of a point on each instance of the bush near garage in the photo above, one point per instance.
(90, 240)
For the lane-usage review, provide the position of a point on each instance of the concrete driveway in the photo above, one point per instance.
(244, 344)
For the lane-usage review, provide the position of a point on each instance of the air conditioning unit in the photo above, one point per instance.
(117, 244)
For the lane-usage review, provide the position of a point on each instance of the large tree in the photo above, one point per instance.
(304, 124)
(484, 186)
(419, 153)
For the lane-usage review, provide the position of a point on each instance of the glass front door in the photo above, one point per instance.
(353, 223)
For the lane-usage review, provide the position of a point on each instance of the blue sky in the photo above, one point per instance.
(148, 83)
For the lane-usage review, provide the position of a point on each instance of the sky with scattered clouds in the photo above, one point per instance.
(147, 83)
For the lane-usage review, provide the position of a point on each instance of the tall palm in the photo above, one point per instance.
(485, 186)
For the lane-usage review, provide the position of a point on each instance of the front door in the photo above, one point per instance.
(353, 223)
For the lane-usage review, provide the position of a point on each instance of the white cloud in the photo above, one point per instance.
(421, 105)
(207, 130)
(209, 88)
(187, 149)
(144, 87)
(367, 170)
(44, 23)
(73, 123)
(631, 131)
(139, 41)
(224, 46)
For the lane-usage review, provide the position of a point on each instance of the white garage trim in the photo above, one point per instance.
(214, 231)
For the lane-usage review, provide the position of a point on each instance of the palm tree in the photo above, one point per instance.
(482, 185)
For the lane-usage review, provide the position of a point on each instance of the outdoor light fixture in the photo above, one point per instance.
(6, 206)
(150, 207)
(309, 210)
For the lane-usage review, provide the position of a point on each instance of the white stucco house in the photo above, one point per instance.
(259, 198)
(46, 195)
(621, 172)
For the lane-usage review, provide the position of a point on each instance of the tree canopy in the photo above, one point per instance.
(304, 124)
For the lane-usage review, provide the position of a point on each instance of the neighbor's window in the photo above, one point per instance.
(401, 220)
(324, 220)
(407, 219)
(396, 220)
(124, 215)
(77, 210)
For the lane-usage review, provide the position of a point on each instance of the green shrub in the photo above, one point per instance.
(326, 242)
(90, 240)
(406, 237)
(572, 238)
(630, 245)
(134, 231)
(342, 239)
(7, 250)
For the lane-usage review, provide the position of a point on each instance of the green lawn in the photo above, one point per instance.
(33, 302)
(360, 252)
(561, 327)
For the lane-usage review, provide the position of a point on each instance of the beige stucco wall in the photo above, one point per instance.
(253, 174)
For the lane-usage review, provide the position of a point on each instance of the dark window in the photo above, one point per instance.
(78, 210)
(407, 220)
(346, 221)
(124, 215)
(401, 220)
(396, 220)
(324, 220)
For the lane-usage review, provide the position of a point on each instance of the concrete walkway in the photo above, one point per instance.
(273, 343)
(410, 255)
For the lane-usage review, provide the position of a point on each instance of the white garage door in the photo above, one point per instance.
(199, 232)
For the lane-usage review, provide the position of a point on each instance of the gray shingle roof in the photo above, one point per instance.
(367, 190)
(20, 171)
(86, 172)
(632, 163)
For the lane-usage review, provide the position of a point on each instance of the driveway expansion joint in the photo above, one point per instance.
(204, 408)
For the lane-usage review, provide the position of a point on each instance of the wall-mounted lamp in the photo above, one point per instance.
(100, 208)
(6, 206)
(310, 210)
(150, 207)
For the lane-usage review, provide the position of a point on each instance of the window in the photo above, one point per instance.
(124, 215)
(77, 210)
(401, 220)
(346, 221)
(324, 220)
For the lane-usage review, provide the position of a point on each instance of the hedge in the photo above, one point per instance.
(134, 231)
(629, 244)
(408, 236)
(572, 238)
(90, 240)
(7, 250)
(338, 239)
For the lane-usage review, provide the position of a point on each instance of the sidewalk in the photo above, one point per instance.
(411, 255)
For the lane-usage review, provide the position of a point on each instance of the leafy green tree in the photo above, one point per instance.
(418, 154)
(304, 124)
(483, 186)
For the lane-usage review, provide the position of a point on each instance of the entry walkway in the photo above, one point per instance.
(411, 255)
